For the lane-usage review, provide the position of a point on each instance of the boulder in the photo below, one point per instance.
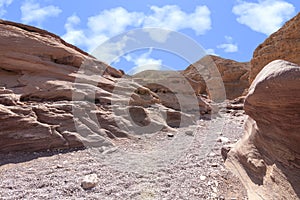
(267, 158)
(283, 44)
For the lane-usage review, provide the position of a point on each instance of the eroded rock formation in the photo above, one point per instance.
(53, 95)
(267, 158)
(174, 91)
(234, 75)
(283, 44)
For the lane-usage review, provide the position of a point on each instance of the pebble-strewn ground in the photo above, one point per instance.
(185, 164)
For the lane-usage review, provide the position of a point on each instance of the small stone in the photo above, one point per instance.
(221, 198)
(212, 154)
(213, 174)
(189, 133)
(214, 195)
(202, 178)
(110, 150)
(223, 139)
(225, 150)
(214, 189)
(59, 167)
(170, 135)
(214, 165)
(90, 181)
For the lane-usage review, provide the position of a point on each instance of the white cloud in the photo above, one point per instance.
(109, 23)
(173, 18)
(144, 62)
(73, 35)
(33, 13)
(3, 4)
(101, 27)
(265, 16)
(114, 21)
(111, 51)
(228, 47)
(211, 52)
(228, 38)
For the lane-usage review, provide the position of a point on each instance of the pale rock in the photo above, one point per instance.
(214, 164)
(202, 178)
(223, 139)
(89, 181)
(212, 154)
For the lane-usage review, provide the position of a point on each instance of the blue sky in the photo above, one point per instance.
(228, 28)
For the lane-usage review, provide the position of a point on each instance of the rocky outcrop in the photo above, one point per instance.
(234, 75)
(267, 158)
(283, 44)
(211, 78)
(174, 91)
(53, 95)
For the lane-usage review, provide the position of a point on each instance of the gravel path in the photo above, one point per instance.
(184, 164)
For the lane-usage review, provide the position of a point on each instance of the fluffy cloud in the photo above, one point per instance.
(228, 47)
(114, 21)
(111, 22)
(100, 27)
(173, 18)
(80, 37)
(33, 13)
(211, 52)
(3, 4)
(265, 16)
(111, 51)
(73, 35)
(143, 62)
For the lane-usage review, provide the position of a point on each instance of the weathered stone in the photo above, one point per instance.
(225, 150)
(267, 158)
(54, 95)
(90, 181)
(233, 74)
(174, 91)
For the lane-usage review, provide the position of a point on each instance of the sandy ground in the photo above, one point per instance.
(186, 164)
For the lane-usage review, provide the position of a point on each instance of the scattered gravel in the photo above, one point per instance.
(187, 165)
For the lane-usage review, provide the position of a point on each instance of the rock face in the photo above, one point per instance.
(283, 44)
(267, 158)
(212, 77)
(234, 75)
(174, 90)
(53, 95)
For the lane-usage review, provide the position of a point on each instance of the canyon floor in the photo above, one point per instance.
(182, 164)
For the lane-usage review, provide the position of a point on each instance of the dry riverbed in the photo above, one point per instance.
(182, 164)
